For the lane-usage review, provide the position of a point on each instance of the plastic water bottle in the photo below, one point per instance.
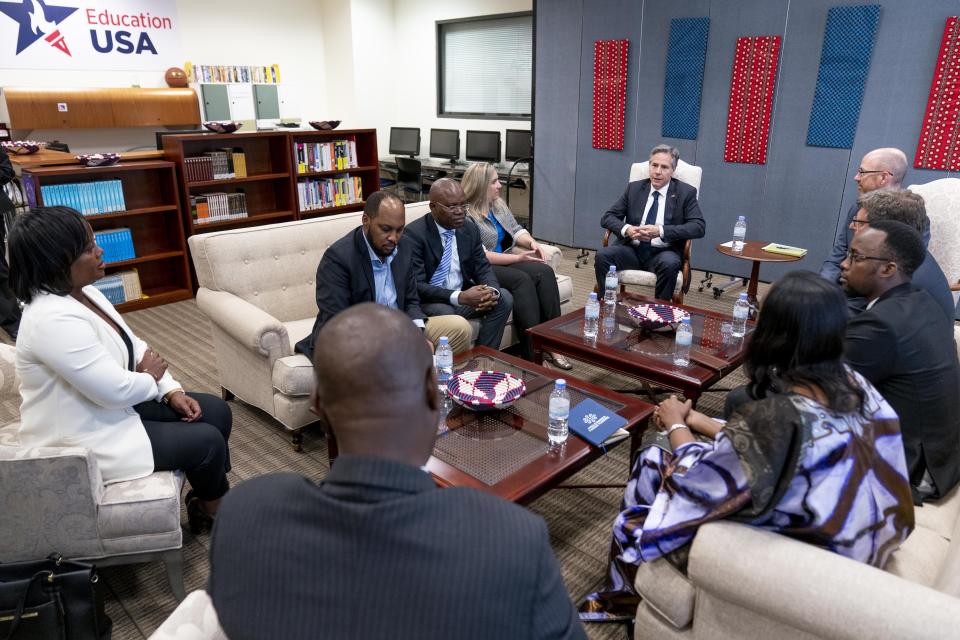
(443, 359)
(739, 234)
(558, 429)
(741, 310)
(591, 317)
(681, 354)
(610, 285)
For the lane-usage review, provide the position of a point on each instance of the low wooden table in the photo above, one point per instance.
(647, 355)
(753, 250)
(506, 452)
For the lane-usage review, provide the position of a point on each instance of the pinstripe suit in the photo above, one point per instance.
(378, 551)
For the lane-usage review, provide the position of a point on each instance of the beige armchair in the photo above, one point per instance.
(691, 175)
(55, 500)
(942, 200)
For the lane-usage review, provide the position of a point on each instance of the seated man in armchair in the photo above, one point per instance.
(651, 221)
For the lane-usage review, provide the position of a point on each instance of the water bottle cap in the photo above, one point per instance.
(593, 296)
(743, 296)
(612, 269)
(561, 383)
(685, 321)
(444, 340)
(741, 217)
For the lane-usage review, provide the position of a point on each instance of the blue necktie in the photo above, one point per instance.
(652, 212)
(444, 267)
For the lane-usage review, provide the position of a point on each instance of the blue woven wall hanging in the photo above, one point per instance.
(844, 63)
(683, 84)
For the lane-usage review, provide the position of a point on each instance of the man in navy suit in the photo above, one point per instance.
(452, 271)
(651, 221)
(373, 263)
(377, 550)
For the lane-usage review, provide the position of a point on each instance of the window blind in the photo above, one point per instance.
(486, 67)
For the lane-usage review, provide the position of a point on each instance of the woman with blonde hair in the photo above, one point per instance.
(524, 274)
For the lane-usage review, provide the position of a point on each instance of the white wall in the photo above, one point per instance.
(212, 32)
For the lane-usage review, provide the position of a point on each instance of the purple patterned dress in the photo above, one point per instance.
(786, 464)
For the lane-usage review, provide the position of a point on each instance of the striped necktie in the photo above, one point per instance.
(444, 267)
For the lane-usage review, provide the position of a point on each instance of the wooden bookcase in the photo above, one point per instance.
(153, 216)
(267, 186)
(367, 169)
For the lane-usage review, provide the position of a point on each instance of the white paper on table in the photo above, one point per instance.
(728, 244)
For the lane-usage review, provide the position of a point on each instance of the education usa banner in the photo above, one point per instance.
(89, 34)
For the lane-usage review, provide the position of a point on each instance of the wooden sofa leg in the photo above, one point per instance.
(226, 394)
(296, 439)
(173, 563)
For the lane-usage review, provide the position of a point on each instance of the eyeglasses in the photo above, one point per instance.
(456, 207)
(852, 257)
(859, 222)
(863, 172)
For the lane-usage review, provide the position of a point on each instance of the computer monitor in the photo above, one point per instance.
(159, 135)
(483, 146)
(445, 143)
(405, 141)
(519, 145)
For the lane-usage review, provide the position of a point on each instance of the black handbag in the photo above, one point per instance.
(52, 599)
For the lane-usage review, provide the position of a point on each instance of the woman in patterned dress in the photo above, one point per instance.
(776, 463)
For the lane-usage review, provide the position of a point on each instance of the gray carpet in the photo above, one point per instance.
(579, 520)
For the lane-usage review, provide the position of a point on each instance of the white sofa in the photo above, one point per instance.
(744, 582)
(256, 285)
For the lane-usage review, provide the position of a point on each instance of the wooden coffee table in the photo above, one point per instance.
(506, 452)
(647, 355)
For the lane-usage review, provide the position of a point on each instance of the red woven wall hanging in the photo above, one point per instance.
(609, 92)
(937, 148)
(751, 99)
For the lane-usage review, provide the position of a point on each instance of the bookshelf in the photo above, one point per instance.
(310, 170)
(150, 209)
(265, 187)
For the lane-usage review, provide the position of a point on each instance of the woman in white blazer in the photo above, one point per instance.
(87, 380)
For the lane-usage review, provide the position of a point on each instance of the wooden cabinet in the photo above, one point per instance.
(152, 213)
(266, 186)
(100, 108)
(305, 174)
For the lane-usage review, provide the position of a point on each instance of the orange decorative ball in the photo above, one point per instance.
(175, 77)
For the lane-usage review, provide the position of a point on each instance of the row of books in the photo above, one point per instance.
(213, 207)
(223, 164)
(117, 244)
(233, 73)
(89, 198)
(329, 192)
(326, 156)
(120, 287)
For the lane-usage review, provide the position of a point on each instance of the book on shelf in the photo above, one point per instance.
(233, 73)
(334, 155)
(117, 244)
(198, 168)
(221, 164)
(239, 160)
(324, 193)
(131, 284)
(89, 198)
(214, 207)
(120, 287)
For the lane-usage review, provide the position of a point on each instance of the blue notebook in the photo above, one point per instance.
(594, 423)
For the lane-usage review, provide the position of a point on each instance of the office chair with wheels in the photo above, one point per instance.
(409, 178)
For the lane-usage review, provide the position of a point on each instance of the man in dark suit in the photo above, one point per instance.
(651, 221)
(908, 208)
(9, 307)
(372, 263)
(452, 271)
(377, 550)
(904, 345)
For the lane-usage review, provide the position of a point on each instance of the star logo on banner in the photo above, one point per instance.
(37, 20)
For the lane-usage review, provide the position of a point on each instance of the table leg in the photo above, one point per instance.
(537, 351)
(752, 289)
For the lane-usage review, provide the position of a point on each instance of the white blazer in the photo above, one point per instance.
(76, 388)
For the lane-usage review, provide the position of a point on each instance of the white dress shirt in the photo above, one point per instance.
(655, 242)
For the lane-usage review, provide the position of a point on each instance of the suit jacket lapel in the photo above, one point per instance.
(643, 197)
(399, 278)
(361, 244)
(433, 241)
(463, 250)
(671, 203)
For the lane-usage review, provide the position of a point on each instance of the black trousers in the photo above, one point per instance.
(536, 298)
(663, 261)
(198, 448)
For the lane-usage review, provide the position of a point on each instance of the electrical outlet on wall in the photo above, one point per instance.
(62, 107)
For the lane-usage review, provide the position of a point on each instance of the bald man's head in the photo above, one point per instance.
(883, 168)
(375, 384)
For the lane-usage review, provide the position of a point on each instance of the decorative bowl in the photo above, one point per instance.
(481, 390)
(656, 316)
(23, 147)
(99, 159)
(223, 127)
(324, 125)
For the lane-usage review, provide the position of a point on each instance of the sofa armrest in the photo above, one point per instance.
(813, 589)
(553, 254)
(249, 325)
(9, 382)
